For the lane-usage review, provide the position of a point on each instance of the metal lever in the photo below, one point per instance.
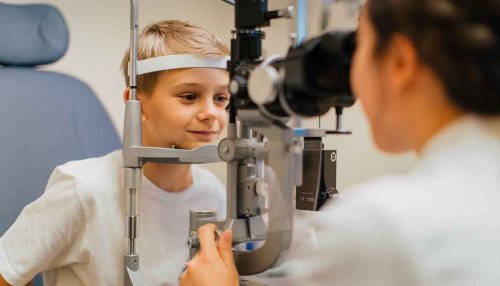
(287, 13)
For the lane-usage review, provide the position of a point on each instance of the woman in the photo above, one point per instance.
(427, 73)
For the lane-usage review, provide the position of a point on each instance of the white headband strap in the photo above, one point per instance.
(179, 62)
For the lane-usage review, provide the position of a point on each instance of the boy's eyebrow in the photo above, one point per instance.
(198, 85)
(188, 84)
(223, 86)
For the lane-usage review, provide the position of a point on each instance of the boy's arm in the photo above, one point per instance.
(4, 283)
(56, 224)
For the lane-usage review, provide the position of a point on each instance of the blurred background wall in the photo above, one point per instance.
(99, 35)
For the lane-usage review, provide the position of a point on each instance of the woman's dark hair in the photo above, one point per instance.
(458, 39)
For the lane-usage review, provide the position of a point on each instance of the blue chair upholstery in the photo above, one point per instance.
(46, 118)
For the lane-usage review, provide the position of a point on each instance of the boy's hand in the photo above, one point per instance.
(213, 264)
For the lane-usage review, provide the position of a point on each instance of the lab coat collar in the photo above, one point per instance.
(467, 129)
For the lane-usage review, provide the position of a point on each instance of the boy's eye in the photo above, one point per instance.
(188, 96)
(222, 99)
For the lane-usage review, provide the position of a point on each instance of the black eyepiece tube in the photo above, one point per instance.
(317, 74)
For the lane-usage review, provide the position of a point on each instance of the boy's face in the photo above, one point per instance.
(187, 108)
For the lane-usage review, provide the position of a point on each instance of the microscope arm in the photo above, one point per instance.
(202, 154)
(280, 159)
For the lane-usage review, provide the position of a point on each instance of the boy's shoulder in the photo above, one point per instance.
(109, 162)
(91, 173)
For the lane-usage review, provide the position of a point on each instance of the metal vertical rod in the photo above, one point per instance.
(339, 122)
(132, 136)
(301, 21)
(132, 217)
(232, 177)
(338, 113)
(246, 132)
(134, 33)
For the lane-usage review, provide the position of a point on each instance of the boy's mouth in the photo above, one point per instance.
(205, 135)
(204, 131)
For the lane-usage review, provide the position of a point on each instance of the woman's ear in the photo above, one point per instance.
(403, 63)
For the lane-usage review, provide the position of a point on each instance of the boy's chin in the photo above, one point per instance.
(194, 145)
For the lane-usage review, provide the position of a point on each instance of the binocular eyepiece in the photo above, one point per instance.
(318, 74)
(312, 78)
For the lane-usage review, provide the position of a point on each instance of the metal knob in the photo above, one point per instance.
(263, 85)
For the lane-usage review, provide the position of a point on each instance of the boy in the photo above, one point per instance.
(75, 232)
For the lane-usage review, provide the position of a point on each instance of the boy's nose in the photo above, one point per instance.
(208, 111)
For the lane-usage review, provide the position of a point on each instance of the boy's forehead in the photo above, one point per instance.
(194, 77)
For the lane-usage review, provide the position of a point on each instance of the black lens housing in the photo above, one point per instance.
(317, 74)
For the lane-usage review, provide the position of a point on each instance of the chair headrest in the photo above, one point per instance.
(31, 35)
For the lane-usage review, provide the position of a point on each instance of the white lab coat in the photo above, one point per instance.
(437, 225)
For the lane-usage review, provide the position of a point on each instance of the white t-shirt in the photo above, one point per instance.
(437, 225)
(75, 232)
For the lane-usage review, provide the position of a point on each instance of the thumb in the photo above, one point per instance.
(225, 247)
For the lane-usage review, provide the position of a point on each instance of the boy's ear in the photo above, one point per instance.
(126, 94)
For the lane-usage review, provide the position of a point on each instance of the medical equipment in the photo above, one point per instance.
(135, 155)
(310, 80)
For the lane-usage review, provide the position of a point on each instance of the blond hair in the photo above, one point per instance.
(171, 37)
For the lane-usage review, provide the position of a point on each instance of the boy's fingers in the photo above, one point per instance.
(225, 247)
(206, 236)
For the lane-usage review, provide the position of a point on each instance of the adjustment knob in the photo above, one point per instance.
(263, 84)
(237, 85)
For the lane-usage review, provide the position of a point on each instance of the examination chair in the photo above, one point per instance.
(46, 118)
